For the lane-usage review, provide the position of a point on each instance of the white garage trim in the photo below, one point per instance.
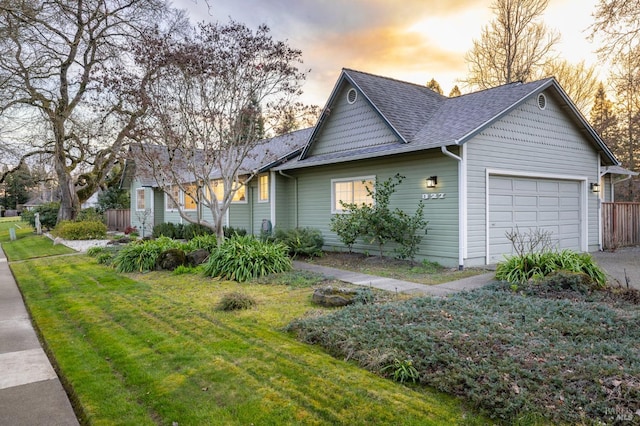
(584, 237)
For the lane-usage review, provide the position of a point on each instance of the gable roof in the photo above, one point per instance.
(423, 119)
(267, 154)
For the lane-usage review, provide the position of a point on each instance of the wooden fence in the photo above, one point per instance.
(620, 225)
(118, 219)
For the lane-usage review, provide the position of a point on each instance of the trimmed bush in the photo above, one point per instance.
(301, 241)
(230, 231)
(241, 258)
(86, 230)
(192, 230)
(235, 301)
(169, 230)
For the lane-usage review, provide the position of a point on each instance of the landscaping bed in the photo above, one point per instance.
(560, 356)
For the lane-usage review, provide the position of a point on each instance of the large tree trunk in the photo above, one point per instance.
(69, 202)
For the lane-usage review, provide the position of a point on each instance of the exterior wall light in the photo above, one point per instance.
(595, 187)
(432, 181)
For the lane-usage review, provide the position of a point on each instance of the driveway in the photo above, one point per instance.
(621, 266)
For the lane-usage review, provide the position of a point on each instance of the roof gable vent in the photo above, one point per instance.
(352, 95)
(542, 101)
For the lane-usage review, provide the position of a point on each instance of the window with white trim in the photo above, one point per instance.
(170, 202)
(190, 197)
(217, 186)
(263, 188)
(351, 191)
(140, 203)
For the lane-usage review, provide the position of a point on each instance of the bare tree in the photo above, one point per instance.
(435, 86)
(53, 57)
(578, 80)
(512, 47)
(214, 94)
(617, 22)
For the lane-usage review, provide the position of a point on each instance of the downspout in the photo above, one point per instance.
(295, 196)
(462, 203)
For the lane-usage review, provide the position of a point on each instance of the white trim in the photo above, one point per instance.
(462, 203)
(599, 201)
(272, 197)
(268, 188)
(584, 188)
(347, 179)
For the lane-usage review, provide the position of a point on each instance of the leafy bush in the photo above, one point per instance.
(208, 242)
(520, 269)
(169, 230)
(89, 215)
(86, 230)
(241, 258)
(48, 215)
(192, 230)
(230, 231)
(378, 223)
(235, 301)
(301, 241)
(142, 256)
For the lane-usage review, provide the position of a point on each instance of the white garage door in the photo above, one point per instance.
(532, 203)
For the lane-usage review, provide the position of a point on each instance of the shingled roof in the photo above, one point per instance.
(423, 119)
(266, 154)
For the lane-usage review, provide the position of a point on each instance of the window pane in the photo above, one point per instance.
(360, 194)
(344, 193)
(190, 197)
(240, 193)
(175, 193)
(218, 189)
(140, 199)
(263, 188)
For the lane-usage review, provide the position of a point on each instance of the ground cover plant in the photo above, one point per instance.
(522, 358)
(152, 348)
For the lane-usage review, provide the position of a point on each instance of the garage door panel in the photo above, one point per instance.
(529, 204)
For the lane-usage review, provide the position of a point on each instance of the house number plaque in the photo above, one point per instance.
(434, 196)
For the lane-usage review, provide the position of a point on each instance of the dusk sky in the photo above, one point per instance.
(412, 40)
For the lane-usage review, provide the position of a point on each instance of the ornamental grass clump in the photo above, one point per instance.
(241, 258)
(522, 268)
(236, 301)
(142, 256)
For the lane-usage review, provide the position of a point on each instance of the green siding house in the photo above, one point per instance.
(519, 155)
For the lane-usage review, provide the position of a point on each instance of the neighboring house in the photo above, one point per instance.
(519, 155)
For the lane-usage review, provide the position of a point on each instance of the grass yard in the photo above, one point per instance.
(27, 245)
(152, 349)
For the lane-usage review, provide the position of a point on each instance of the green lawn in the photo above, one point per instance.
(152, 349)
(28, 245)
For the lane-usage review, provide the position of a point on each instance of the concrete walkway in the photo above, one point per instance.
(399, 286)
(30, 391)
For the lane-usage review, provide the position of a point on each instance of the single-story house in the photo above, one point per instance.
(518, 155)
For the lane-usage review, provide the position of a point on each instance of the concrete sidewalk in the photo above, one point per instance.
(30, 391)
(398, 286)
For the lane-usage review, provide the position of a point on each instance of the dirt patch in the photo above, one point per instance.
(418, 272)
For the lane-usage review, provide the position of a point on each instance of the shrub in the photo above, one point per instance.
(192, 230)
(142, 256)
(86, 230)
(95, 251)
(89, 215)
(235, 301)
(520, 269)
(301, 241)
(241, 258)
(48, 215)
(169, 230)
(208, 242)
(130, 230)
(230, 231)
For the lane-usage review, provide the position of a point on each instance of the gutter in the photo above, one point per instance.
(462, 202)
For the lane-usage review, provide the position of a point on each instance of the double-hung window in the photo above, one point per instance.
(172, 198)
(351, 191)
(263, 188)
